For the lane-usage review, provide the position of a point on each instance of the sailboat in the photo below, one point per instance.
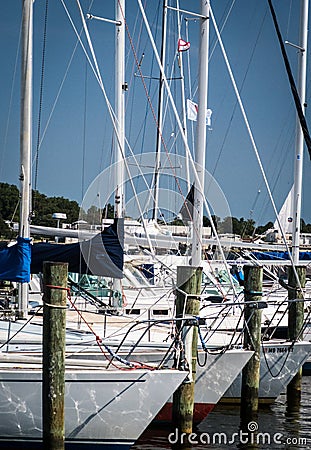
(238, 353)
(211, 385)
(104, 407)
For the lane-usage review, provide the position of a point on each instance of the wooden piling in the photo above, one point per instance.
(53, 382)
(252, 336)
(189, 281)
(295, 324)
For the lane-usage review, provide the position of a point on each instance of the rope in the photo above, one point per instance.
(204, 346)
(297, 100)
(21, 329)
(283, 364)
(10, 103)
(197, 180)
(40, 102)
(98, 339)
(254, 146)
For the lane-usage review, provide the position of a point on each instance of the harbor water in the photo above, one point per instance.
(277, 427)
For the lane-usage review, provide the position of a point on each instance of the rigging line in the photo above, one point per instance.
(145, 87)
(11, 101)
(64, 77)
(110, 109)
(148, 97)
(95, 68)
(182, 88)
(103, 152)
(297, 100)
(59, 89)
(88, 38)
(96, 71)
(213, 48)
(241, 89)
(288, 136)
(132, 81)
(17, 205)
(289, 17)
(165, 114)
(222, 28)
(40, 105)
(254, 146)
(84, 133)
(278, 168)
(197, 180)
(153, 115)
(210, 56)
(190, 87)
(145, 127)
(21, 328)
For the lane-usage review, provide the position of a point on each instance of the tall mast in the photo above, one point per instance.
(119, 106)
(25, 137)
(302, 72)
(160, 116)
(120, 90)
(201, 135)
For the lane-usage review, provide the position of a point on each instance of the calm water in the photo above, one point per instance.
(278, 428)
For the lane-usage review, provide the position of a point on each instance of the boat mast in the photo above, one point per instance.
(25, 138)
(201, 135)
(160, 116)
(120, 90)
(302, 72)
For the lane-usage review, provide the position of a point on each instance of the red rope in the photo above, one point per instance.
(136, 364)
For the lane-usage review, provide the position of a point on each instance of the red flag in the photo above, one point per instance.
(183, 45)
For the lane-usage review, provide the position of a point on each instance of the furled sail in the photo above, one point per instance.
(101, 255)
(15, 261)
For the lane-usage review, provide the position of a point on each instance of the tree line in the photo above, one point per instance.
(43, 207)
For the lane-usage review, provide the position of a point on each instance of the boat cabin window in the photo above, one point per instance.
(160, 312)
(133, 311)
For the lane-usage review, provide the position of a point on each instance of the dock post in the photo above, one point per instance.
(189, 281)
(53, 373)
(295, 324)
(252, 336)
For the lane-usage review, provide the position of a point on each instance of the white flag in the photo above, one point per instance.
(192, 112)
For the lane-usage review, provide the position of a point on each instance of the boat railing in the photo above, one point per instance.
(173, 347)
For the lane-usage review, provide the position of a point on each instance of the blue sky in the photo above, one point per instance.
(77, 144)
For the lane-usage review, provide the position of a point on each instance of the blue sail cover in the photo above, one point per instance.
(15, 261)
(101, 255)
(272, 256)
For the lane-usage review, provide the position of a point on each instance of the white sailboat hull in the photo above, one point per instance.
(215, 373)
(216, 369)
(104, 408)
(279, 363)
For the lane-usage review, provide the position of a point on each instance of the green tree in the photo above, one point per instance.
(9, 202)
(5, 231)
(263, 228)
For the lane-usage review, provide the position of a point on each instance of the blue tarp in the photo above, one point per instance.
(101, 255)
(272, 256)
(15, 261)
